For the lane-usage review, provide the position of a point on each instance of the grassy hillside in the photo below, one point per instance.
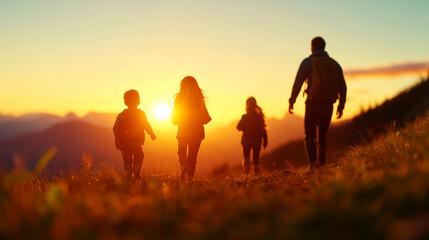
(375, 191)
(404, 107)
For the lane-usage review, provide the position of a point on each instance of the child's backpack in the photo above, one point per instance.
(325, 79)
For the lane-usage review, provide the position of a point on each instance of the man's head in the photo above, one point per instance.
(318, 44)
(132, 98)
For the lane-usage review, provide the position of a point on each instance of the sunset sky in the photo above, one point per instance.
(81, 56)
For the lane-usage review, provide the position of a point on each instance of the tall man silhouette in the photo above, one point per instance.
(325, 84)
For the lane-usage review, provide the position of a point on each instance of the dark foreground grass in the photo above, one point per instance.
(379, 190)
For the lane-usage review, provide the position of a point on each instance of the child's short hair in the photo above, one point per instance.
(132, 98)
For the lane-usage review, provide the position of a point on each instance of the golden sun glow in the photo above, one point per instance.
(162, 111)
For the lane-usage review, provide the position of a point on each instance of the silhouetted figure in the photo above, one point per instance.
(254, 134)
(190, 114)
(325, 84)
(129, 130)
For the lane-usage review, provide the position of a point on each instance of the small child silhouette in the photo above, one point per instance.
(129, 130)
(254, 131)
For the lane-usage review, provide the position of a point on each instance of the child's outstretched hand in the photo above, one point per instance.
(153, 137)
(265, 144)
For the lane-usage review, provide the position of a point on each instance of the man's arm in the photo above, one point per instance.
(342, 93)
(301, 76)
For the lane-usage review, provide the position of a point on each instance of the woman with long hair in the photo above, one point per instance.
(190, 114)
(254, 130)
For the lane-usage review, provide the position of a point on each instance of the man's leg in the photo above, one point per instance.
(127, 157)
(324, 122)
(310, 123)
(246, 159)
(256, 152)
(194, 147)
(181, 152)
(138, 161)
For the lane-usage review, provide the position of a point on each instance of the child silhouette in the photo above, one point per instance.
(254, 131)
(129, 130)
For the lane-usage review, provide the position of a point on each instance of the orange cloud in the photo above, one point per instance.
(395, 70)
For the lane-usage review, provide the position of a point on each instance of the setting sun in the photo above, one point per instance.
(162, 111)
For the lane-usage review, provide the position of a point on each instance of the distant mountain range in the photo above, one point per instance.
(368, 125)
(30, 136)
(11, 126)
(72, 139)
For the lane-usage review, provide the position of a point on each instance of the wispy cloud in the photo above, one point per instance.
(394, 70)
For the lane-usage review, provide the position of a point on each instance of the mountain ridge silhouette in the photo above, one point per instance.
(11, 126)
(72, 139)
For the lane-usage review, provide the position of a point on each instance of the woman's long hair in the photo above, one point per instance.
(190, 92)
(252, 106)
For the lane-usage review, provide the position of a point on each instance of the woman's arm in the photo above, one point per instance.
(265, 137)
(240, 125)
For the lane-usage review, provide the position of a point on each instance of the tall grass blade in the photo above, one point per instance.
(41, 165)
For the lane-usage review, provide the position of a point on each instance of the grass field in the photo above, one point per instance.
(378, 190)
